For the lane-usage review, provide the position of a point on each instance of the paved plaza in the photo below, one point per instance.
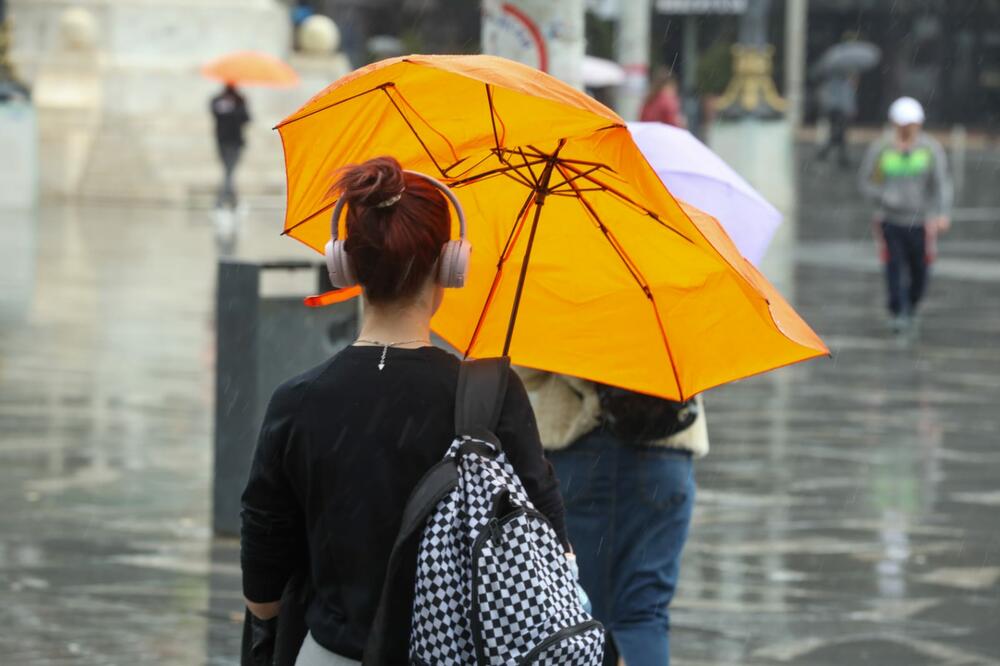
(847, 514)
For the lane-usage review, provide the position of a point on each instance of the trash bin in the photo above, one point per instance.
(261, 341)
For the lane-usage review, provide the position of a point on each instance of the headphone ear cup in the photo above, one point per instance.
(338, 265)
(454, 263)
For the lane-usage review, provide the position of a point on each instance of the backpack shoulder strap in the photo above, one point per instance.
(391, 618)
(482, 385)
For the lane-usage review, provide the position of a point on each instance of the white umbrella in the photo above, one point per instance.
(848, 57)
(696, 175)
(600, 73)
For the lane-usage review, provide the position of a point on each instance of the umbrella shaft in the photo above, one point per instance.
(541, 191)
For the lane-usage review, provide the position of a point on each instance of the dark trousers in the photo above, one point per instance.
(906, 246)
(837, 138)
(229, 153)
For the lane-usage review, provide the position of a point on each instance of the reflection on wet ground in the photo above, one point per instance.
(847, 512)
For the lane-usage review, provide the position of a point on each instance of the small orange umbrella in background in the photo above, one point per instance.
(251, 68)
(582, 262)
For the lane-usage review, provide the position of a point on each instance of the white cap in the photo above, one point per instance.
(906, 111)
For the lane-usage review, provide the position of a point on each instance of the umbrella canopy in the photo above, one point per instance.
(600, 73)
(696, 175)
(252, 68)
(848, 57)
(583, 263)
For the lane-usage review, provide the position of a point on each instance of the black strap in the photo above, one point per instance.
(478, 402)
(390, 617)
(482, 385)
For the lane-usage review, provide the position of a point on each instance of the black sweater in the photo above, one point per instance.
(341, 448)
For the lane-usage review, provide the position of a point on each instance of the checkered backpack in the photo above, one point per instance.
(493, 585)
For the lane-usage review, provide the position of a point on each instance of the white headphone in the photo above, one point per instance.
(452, 264)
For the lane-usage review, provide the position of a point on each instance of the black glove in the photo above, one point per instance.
(262, 635)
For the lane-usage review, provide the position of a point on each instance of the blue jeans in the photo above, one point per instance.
(628, 509)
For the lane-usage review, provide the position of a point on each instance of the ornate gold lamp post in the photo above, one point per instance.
(751, 91)
(755, 136)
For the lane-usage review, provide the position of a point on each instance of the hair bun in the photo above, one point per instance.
(372, 182)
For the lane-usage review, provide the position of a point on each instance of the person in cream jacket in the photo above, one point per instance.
(628, 509)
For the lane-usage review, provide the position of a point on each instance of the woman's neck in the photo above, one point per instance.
(388, 325)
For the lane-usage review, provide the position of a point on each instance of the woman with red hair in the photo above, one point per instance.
(343, 445)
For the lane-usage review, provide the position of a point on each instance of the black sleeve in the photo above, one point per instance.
(518, 433)
(242, 112)
(272, 543)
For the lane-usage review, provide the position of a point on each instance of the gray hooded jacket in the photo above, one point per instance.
(908, 186)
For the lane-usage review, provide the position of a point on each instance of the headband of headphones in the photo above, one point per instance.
(338, 207)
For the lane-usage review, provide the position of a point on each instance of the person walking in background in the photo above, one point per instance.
(229, 110)
(906, 175)
(663, 103)
(624, 463)
(838, 104)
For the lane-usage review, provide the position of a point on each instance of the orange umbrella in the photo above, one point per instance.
(583, 263)
(251, 68)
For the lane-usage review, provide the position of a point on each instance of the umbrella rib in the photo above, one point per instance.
(442, 135)
(515, 232)
(415, 134)
(612, 240)
(493, 115)
(567, 180)
(471, 167)
(512, 236)
(333, 104)
(627, 199)
(506, 169)
(568, 160)
(308, 217)
(636, 274)
(531, 172)
(572, 194)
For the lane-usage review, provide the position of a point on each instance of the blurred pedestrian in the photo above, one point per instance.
(343, 445)
(663, 103)
(906, 175)
(624, 463)
(229, 110)
(838, 104)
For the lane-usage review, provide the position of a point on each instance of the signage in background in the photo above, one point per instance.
(701, 6)
(543, 34)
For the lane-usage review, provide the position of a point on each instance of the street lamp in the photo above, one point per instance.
(751, 91)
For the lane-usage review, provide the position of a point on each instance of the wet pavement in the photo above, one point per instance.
(848, 512)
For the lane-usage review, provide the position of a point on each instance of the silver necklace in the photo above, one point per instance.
(385, 347)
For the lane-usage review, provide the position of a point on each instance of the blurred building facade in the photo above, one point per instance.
(122, 106)
(945, 53)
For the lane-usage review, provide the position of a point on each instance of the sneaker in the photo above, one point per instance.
(899, 324)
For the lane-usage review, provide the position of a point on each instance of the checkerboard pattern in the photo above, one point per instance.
(585, 647)
(523, 591)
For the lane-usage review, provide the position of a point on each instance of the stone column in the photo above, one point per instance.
(632, 46)
(755, 137)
